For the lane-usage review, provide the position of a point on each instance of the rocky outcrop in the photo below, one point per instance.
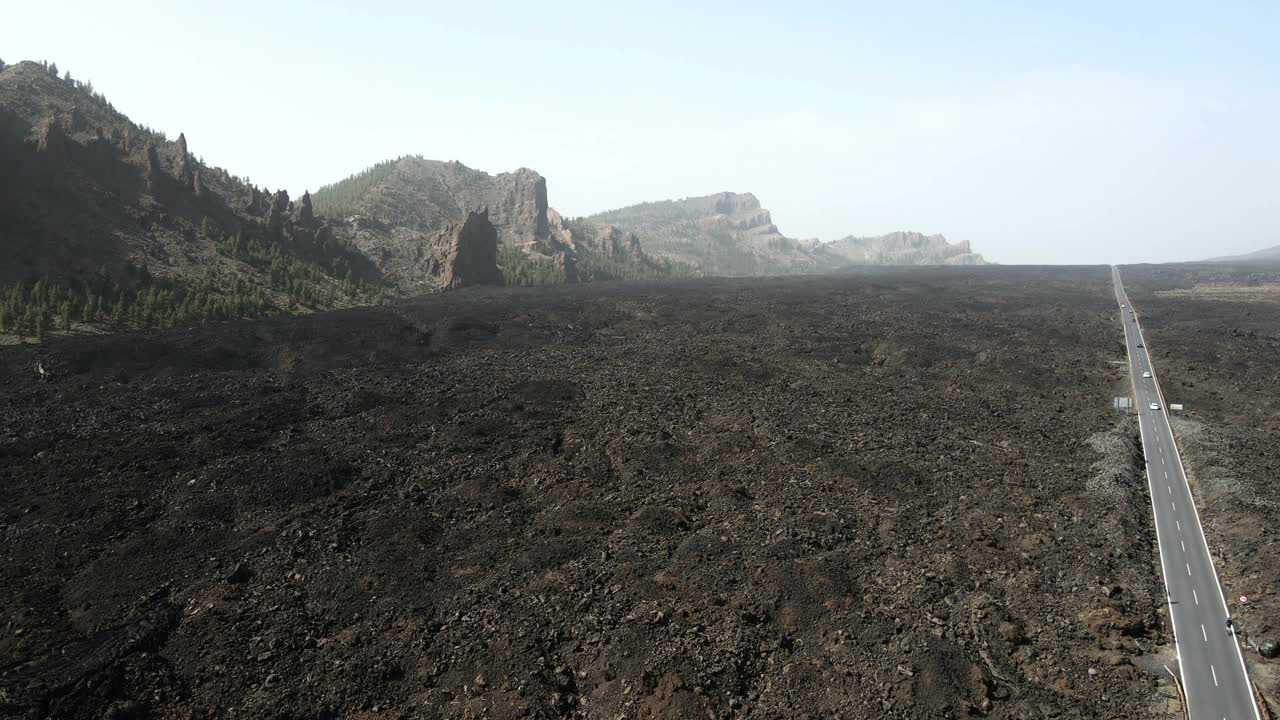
(157, 183)
(277, 211)
(302, 211)
(465, 253)
(425, 195)
(517, 202)
(51, 140)
(182, 161)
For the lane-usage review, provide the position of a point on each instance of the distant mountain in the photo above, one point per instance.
(723, 234)
(731, 234)
(903, 248)
(1271, 254)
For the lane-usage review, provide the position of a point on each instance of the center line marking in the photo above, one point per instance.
(1205, 634)
(1179, 522)
(1215, 675)
(1175, 507)
(1195, 596)
(1188, 575)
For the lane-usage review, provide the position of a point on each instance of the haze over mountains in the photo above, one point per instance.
(1271, 254)
(730, 234)
(127, 227)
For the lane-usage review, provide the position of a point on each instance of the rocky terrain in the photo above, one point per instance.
(731, 234)
(899, 493)
(1214, 335)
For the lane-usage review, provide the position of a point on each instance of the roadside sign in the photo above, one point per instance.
(1244, 599)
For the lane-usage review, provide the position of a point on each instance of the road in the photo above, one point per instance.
(1210, 661)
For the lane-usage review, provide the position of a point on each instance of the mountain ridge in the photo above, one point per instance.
(731, 233)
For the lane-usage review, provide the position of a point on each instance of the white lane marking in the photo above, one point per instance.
(1195, 595)
(1175, 507)
(1189, 575)
(1166, 474)
(1169, 488)
(1202, 632)
(1179, 522)
(1184, 545)
(1215, 675)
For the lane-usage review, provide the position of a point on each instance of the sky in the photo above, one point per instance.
(1068, 132)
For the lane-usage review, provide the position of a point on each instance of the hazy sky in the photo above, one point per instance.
(1043, 132)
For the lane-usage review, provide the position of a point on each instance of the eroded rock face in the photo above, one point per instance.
(277, 211)
(155, 173)
(517, 203)
(904, 248)
(465, 253)
(51, 140)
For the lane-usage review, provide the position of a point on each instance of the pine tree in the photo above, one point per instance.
(66, 316)
(53, 69)
(41, 326)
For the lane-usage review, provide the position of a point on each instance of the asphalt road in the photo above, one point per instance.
(1210, 662)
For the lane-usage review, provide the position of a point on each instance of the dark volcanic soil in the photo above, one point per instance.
(892, 494)
(1214, 333)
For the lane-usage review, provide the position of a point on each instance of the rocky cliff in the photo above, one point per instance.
(465, 253)
(731, 234)
(723, 234)
(901, 248)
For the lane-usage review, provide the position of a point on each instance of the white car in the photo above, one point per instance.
(1146, 374)
(1155, 406)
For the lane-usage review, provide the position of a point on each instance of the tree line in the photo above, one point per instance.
(35, 306)
(304, 283)
(343, 197)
